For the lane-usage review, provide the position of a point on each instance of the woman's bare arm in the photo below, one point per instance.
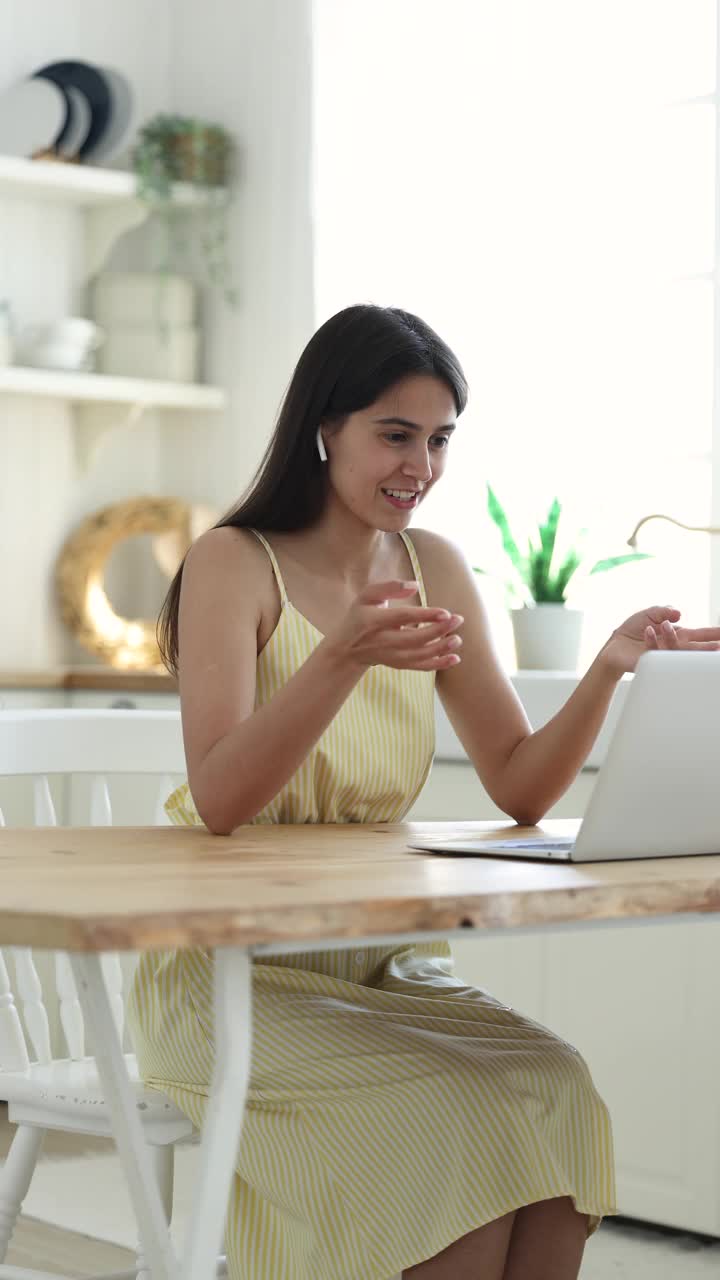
(523, 772)
(238, 757)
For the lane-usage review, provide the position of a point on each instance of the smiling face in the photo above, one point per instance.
(384, 460)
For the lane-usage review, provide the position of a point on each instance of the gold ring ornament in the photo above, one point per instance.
(129, 643)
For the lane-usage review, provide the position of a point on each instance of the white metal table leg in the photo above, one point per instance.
(226, 1106)
(127, 1130)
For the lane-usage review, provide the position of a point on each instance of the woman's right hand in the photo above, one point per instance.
(373, 634)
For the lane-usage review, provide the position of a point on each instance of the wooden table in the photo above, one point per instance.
(279, 889)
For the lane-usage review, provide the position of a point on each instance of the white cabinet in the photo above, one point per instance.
(641, 1003)
(118, 698)
(453, 790)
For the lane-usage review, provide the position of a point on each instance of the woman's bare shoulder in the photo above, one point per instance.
(230, 563)
(226, 548)
(436, 550)
(444, 567)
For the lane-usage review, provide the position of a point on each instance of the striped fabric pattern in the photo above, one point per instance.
(375, 756)
(392, 1108)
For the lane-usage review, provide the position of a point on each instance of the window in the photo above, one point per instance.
(530, 177)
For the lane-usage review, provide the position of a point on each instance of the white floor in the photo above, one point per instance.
(87, 1194)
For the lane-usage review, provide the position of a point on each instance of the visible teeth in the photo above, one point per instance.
(403, 494)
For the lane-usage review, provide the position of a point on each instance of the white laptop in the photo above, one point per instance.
(657, 794)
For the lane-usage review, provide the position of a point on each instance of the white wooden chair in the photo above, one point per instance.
(46, 1092)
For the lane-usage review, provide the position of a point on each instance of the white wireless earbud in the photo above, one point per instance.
(321, 446)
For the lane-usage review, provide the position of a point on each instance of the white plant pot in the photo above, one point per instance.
(547, 637)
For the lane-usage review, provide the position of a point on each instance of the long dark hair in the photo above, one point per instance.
(353, 359)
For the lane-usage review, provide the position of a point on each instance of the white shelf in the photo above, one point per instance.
(84, 185)
(98, 388)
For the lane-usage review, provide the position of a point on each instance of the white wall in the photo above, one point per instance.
(33, 32)
(246, 65)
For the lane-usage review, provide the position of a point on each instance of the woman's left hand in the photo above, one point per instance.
(654, 628)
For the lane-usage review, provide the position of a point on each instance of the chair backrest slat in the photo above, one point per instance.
(43, 806)
(40, 744)
(163, 791)
(31, 1000)
(100, 806)
(13, 1050)
(71, 1017)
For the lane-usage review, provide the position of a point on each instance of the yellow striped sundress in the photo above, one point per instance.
(392, 1108)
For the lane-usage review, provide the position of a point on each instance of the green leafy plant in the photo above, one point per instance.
(542, 576)
(171, 149)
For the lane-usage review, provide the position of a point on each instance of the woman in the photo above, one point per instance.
(397, 1120)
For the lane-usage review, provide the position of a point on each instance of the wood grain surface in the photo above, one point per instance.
(95, 889)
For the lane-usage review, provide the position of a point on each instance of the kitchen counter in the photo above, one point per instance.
(542, 693)
(90, 677)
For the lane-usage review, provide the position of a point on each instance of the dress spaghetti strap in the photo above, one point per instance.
(416, 565)
(417, 571)
(275, 565)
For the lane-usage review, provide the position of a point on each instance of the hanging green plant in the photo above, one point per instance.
(171, 149)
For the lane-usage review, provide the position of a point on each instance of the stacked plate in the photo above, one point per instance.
(66, 111)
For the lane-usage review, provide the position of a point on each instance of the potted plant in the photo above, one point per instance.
(547, 633)
(173, 148)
